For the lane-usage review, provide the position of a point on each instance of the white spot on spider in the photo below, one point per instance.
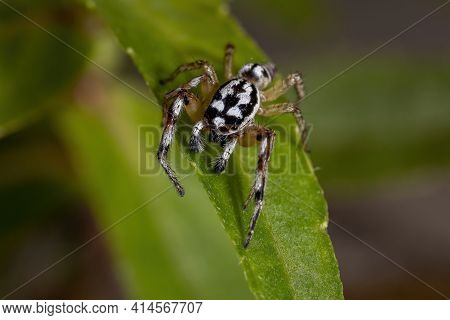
(247, 86)
(235, 112)
(228, 89)
(218, 121)
(218, 104)
(196, 81)
(258, 72)
(244, 98)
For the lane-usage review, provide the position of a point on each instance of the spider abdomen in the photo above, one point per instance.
(233, 106)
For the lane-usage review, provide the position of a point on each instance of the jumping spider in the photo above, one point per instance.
(228, 111)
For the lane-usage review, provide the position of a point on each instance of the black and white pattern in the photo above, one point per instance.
(233, 106)
(259, 186)
(166, 139)
(260, 75)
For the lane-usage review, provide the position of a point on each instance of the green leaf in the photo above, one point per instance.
(36, 69)
(291, 256)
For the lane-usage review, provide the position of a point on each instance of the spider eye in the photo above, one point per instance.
(223, 129)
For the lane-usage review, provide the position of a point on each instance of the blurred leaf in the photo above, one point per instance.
(168, 248)
(35, 189)
(291, 255)
(34, 180)
(36, 69)
(294, 16)
(382, 107)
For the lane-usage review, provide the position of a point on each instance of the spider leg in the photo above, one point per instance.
(199, 64)
(249, 197)
(195, 142)
(194, 82)
(221, 163)
(228, 61)
(266, 137)
(293, 80)
(182, 99)
(194, 101)
(288, 107)
(177, 99)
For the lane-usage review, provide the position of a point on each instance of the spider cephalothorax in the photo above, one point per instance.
(228, 112)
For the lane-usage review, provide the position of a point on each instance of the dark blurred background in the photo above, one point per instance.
(380, 142)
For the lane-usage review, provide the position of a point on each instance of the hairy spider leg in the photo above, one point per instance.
(221, 162)
(228, 61)
(293, 80)
(278, 89)
(167, 137)
(196, 143)
(288, 107)
(199, 64)
(182, 98)
(194, 101)
(267, 138)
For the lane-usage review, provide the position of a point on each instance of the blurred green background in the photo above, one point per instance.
(69, 155)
